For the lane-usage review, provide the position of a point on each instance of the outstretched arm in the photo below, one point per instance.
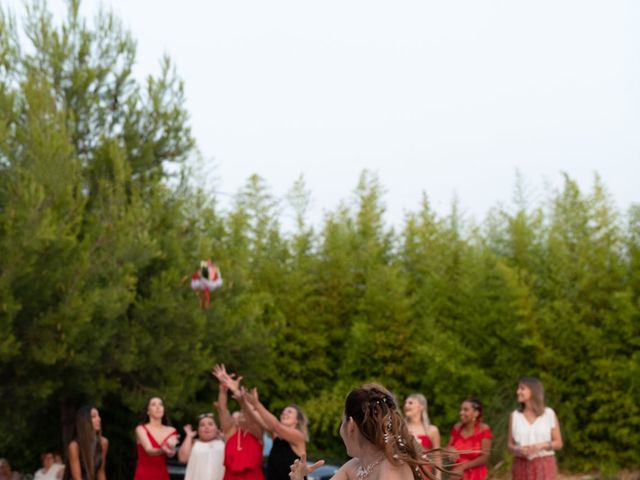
(255, 424)
(226, 422)
(229, 380)
(143, 440)
(274, 426)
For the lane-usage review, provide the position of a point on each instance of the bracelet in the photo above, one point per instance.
(550, 445)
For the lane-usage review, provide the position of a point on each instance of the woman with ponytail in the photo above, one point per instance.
(470, 443)
(377, 438)
(88, 450)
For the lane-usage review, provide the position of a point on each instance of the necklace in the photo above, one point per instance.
(364, 472)
(238, 439)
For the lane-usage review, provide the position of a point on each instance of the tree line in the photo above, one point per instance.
(100, 225)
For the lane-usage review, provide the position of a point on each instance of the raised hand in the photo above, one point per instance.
(220, 372)
(229, 380)
(251, 396)
(234, 383)
(300, 469)
(188, 430)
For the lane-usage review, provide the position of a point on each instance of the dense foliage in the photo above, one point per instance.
(98, 237)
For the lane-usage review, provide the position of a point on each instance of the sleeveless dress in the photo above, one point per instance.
(540, 465)
(280, 459)
(472, 446)
(206, 461)
(243, 457)
(427, 444)
(152, 467)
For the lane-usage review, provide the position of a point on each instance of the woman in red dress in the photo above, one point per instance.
(470, 442)
(156, 440)
(243, 436)
(417, 417)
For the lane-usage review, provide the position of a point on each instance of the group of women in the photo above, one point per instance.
(381, 441)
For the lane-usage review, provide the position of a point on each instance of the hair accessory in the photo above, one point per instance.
(388, 430)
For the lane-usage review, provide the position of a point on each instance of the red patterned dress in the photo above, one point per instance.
(470, 448)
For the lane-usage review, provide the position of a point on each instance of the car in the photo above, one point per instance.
(176, 469)
(325, 472)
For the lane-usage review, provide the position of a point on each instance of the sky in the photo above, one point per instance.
(447, 98)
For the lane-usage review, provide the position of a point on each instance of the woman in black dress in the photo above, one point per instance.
(289, 434)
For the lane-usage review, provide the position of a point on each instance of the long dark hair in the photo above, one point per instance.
(88, 440)
(375, 412)
(145, 414)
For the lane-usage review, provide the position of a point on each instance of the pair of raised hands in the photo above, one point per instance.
(231, 382)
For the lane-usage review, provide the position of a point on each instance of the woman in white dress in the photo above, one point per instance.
(534, 434)
(203, 455)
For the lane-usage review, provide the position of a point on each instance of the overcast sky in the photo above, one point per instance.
(448, 97)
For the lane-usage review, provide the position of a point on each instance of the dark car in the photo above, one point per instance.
(176, 469)
(325, 472)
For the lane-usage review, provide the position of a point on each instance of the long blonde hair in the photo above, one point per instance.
(302, 422)
(422, 400)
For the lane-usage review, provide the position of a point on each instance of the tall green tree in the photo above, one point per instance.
(91, 236)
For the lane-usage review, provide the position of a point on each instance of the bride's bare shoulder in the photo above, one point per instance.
(348, 471)
(389, 471)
